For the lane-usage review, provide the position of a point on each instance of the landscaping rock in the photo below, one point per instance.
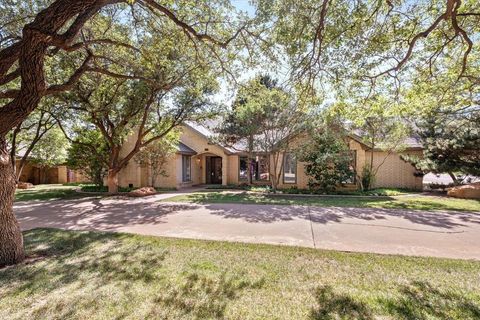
(142, 192)
(468, 191)
(24, 185)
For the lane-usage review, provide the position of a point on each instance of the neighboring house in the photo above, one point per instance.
(58, 174)
(199, 161)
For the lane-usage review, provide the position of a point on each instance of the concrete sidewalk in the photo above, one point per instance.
(407, 232)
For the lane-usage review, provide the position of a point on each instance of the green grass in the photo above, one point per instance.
(416, 202)
(87, 275)
(47, 192)
(65, 191)
(295, 190)
(93, 188)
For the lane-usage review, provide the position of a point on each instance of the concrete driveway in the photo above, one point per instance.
(407, 232)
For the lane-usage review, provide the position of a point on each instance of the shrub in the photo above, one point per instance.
(328, 161)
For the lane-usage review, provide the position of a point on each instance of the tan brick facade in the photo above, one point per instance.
(393, 172)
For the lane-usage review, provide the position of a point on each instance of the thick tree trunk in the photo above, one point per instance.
(11, 239)
(112, 181)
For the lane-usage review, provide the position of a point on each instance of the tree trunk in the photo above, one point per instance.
(11, 239)
(249, 160)
(454, 178)
(112, 181)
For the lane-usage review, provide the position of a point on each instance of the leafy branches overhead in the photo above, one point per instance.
(34, 40)
(343, 41)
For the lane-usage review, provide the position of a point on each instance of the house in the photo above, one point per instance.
(34, 174)
(198, 161)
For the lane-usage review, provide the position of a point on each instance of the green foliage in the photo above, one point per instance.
(90, 155)
(451, 143)
(328, 160)
(155, 155)
(50, 151)
(367, 177)
(244, 120)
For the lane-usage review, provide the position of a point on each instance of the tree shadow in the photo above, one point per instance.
(201, 296)
(325, 215)
(332, 305)
(91, 258)
(95, 214)
(420, 300)
(257, 210)
(99, 262)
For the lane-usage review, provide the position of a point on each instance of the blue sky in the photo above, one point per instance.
(244, 5)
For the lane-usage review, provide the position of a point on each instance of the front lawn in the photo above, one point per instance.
(417, 202)
(90, 275)
(47, 192)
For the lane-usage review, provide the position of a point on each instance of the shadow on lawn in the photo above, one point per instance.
(90, 264)
(202, 296)
(419, 300)
(87, 257)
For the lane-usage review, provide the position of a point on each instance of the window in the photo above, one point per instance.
(186, 168)
(259, 169)
(242, 170)
(290, 169)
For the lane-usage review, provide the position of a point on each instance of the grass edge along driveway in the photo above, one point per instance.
(94, 275)
(415, 202)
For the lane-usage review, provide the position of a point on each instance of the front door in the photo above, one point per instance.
(214, 170)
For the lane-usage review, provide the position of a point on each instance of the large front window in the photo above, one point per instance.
(258, 170)
(290, 168)
(186, 168)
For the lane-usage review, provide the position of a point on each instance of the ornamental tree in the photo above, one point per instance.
(327, 156)
(243, 122)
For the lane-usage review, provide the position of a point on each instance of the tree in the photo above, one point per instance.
(49, 152)
(133, 109)
(89, 153)
(378, 122)
(347, 41)
(328, 158)
(55, 32)
(156, 155)
(27, 134)
(451, 144)
(283, 122)
(245, 118)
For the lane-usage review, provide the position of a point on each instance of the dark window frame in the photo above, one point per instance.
(296, 168)
(256, 166)
(186, 159)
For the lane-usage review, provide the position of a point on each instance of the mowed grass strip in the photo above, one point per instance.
(48, 192)
(91, 275)
(415, 202)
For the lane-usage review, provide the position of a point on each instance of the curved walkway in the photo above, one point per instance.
(389, 231)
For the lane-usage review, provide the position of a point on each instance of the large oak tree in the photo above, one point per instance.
(59, 29)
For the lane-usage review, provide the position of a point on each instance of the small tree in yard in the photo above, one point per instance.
(49, 152)
(328, 159)
(283, 122)
(244, 121)
(451, 142)
(379, 126)
(27, 134)
(89, 153)
(156, 155)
